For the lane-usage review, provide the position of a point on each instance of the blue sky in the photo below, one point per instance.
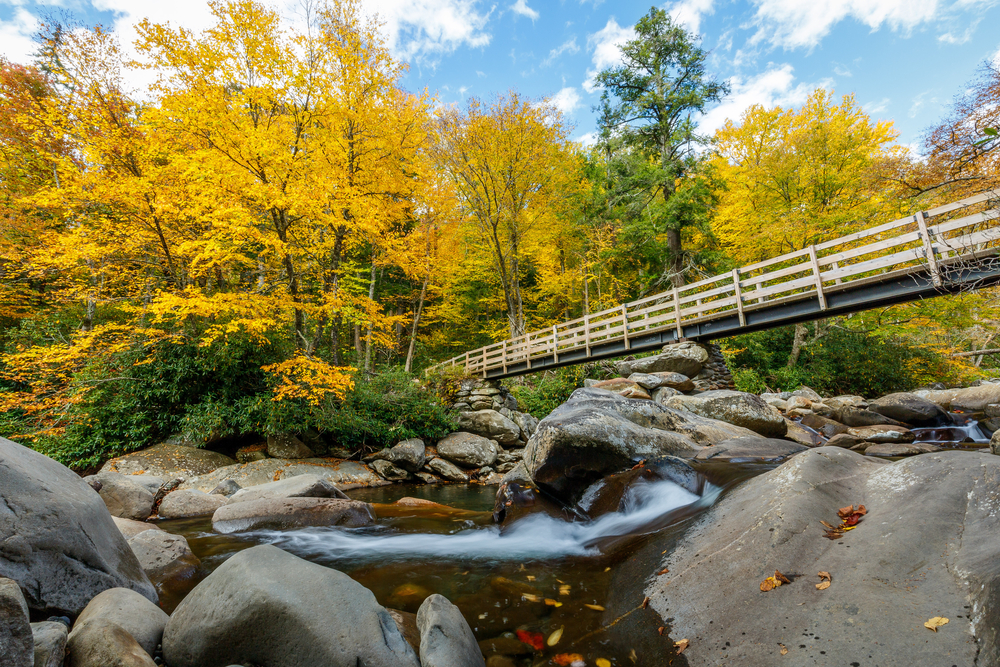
(903, 59)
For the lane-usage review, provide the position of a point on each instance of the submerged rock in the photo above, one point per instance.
(168, 461)
(279, 513)
(264, 606)
(57, 539)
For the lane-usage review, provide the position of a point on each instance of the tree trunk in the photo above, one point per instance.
(368, 334)
(416, 322)
(798, 341)
(676, 257)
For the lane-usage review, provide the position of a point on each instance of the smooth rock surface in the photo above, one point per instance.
(135, 614)
(882, 434)
(825, 426)
(468, 449)
(279, 513)
(57, 538)
(255, 473)
(389, 472)
(168, 461)
(751, 448)
(734, 407)
(686, 358)
(49, 638)
(969, 399)
(287, 446)
(898, 449)
(491, 425)
(183, 503)
(527, 423)
(130, 528)
(102, 643)
(857, 417)
(910, 409)
(165, 558)
(300, 486)
(409, 455)
(927, 547)
(123, 496)
(264, 606)
(447, 470)
(446, 640)
(16, 645)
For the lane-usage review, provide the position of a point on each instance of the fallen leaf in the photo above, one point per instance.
(645, 602)
(567, 658)
(782, 578)
(531, 577)
(784, 651)
(845, 511)
(769, 584)
(823, 585)
(595, 607)
(552, 603)
(831, 527)
(660, 630)
(533, 639)
(555, 637)
(603, 662)
(935, 623)
(530, 598)
(631, 655)
(681, 645)
(663, 571)
(607, 569)
(825, 575)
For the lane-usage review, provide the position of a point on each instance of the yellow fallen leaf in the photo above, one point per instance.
(935, 623)
(823, 585)
(602, 662)
(530, 598)
(531, 577)
(681, 645)
(769, 584)
(595, 607)
(825, 575)
(784, 651)
(555, 637)
(552, 603)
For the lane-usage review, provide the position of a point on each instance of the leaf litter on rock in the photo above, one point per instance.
(774, 581)
(935, 623)
(824, 581)
(849, 519)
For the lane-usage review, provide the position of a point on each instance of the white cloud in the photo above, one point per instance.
(841, 70)
(16, 43)
(569, 46)
(586, 140)
(872, 108)
(922, 100)
(774, 87)
(566, 100)
(605, 44)
(521, 7)
(689, 12)
(794, 23)
(421, 30)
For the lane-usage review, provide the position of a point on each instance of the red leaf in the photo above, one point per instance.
(533, 639)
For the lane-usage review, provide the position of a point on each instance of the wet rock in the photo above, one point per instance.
(527, 423)
(883, 434)
(49, 639)
(57, 539)
(504, 645)
(165, 558)
(102, 643)
(226, 487)
(388, 471)
(123, 496)
(734, 407)
(407, 624)
(16, 644)
(899, 449)
(797, 433)
(287, 446)
(856, 417)
(447, 470)
(130, 528)
(932, 523)
(826, 427)
(135, 614)
(751, 448)
(845, 440)
(686, 358)
(798, 402)
(446, 640)
(995, 443)
(610, 493)
(467, 449)
(409, 455)
(279, 513)
(264, 606)
(338, 472)
(168, 461)
(491, 425)
(910, 409)
(190, 502)
(427, 478)
(300, 486)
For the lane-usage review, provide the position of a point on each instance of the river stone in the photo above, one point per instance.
(825, 426)
(408, 454)
(677, 381)
(807, 393)
(102, 643)
(287, 446)
(57, 538)
(734, 407)
(226, 487)
(447, 470)
(166, 558)
(910, 409)
(124, 497)
(446, 640)
(49, 639)
(255, 473)
(686, 358)
(662, 395)
(751, 448)
(970, 399)
(995, 442)
(388, 471)
(16, 645)
(300, 486)
(264, 606)
(857, 417)
(926, 548)
(168, 461)
(845, 440)
(130, 528)
(897, 449)
(882, 434)
(468, 449)
(491, 425)
(280, 513)
(189, 502)
(798, 433)
(135, 614)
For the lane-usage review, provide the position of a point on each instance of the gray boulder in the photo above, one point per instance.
(527, 423)
(256, 473)
(882, 434)
(279, 513)
(661, 395)
(49, 638)
(135, 614)
(447, 470)
(287, 446)
(927, 547)
(734, 407)
(168, 461)
(909, 409)
(686, 358)
(751, 448)
(446, 640)
(16, 645)
(491, 425)
(970, 399)
(102, 643)
(130, 528)
(409, 454)
(995, 442)
(825, 426)
(388, 471)
(57, 539)
(807, 393)
(468, 449)
(300, 486)
(165, 558)
(226, 487)
(190, 502)
(897, 449)
(859, 417)
(123, 496)
(264, 606)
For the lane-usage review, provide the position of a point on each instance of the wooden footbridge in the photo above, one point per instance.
(945, 250)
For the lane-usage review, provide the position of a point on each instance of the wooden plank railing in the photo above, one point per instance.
(905, 245)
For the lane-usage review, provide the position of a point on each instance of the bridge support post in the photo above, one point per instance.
(928, 248)
(819, 277)
(739, 297)
(555, 344)
(677, 315)
(625, 326)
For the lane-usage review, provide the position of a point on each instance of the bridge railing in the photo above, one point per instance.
(960, 231)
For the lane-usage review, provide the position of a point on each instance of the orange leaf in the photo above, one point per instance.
(681, 645)
(567, 658)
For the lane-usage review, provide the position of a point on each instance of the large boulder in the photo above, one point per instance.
(343, 474)
(49, 638)
(300, 486)
(130, 528)
(168, 461)
(189, 502)
(138, 616)
(17, 647)
(686, 358)
(491, 425)
(970, 399)
(389, 471)
(910, 409)
(882, 434)
(447, 470)
(409, 455)
(734, 407)
(102, 643)
(527, 423)
(287, 446)
(279, 513)
(751, 448)
(264, 606)
(926, 548)
(166, 558)
(57, 539)
(850, 416)
(124, 497)
(446, 640)
(468, 449)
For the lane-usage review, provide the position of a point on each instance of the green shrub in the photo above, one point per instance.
(540, 394)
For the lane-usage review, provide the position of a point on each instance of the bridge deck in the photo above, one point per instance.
(897, 262)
